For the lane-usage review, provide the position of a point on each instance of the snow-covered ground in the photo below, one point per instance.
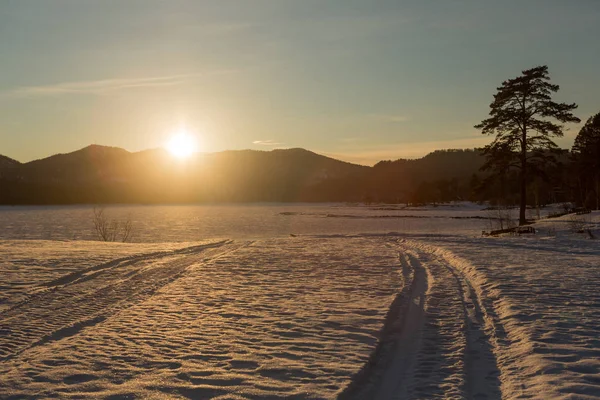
(275, 318)
(27, 266)
(434, 311)
(542, 309)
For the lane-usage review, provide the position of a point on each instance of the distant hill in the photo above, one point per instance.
(88, 164)
(280, 175)
(442, 175)
(7, 162)
(98, 174)
(441, 164)
(7, 165)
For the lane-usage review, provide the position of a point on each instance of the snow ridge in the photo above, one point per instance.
(437, 340)
(509, 341)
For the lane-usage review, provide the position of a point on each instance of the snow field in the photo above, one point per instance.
(266, 319)
(541, 303)
(26, 265)
(436, 345)
(435, 312)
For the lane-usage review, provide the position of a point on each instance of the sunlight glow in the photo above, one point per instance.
(182, 144)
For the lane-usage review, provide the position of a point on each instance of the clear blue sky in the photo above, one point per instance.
(360, 80)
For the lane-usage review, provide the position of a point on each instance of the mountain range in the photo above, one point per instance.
(101, 174)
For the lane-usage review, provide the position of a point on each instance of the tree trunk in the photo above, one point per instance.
(523, 202)
(597, 193)
(537, 198)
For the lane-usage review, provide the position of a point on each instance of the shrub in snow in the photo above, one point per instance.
(110, 230)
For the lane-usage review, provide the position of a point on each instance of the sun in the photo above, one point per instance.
(182, 144)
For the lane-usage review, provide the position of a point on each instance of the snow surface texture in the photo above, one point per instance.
(543, 310)
(418, 314)
(531, 319)
(276, 318)
(27, 266)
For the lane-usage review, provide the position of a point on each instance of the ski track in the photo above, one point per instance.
(435, 343)
(281, 318)
(540, 302)
(29, 267)
(85, 298)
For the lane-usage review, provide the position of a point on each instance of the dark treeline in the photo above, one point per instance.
(98, 175)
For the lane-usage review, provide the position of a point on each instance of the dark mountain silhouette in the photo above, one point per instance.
(7, 165)
(99, 174)
(7, 162)
(442, 175)
(90, 163)
(285, 175)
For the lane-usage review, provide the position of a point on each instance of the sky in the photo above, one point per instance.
(361, 81)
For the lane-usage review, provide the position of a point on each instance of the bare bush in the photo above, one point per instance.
(110, 230)
(127, 230)
(499, 218)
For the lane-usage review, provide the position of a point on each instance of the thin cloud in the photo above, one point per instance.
(267, 143)
(103, 86)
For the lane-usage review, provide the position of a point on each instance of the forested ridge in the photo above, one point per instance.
(99, 174)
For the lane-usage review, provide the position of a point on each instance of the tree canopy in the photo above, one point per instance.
(522, 119)
(586, 155)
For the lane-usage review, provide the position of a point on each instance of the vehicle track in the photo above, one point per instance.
(404, 357)
(441, 349)
(85, 298)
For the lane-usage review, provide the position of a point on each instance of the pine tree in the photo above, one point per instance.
(586, 155)
(521, 118)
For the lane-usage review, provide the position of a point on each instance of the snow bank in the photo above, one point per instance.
(542, 307)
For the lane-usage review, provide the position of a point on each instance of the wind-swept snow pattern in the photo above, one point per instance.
(87, 297)
(285, 318)
(26, 266)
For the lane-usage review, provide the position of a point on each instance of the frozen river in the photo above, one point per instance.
(185, 223)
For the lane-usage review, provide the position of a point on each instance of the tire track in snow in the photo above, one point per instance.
(481, 369)
(404, 357)
(438, 369)
(284, 318)
(88, 297)
(465, 366)
(391, 363)
(441, 349)
(87, 273)
(366, 381)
